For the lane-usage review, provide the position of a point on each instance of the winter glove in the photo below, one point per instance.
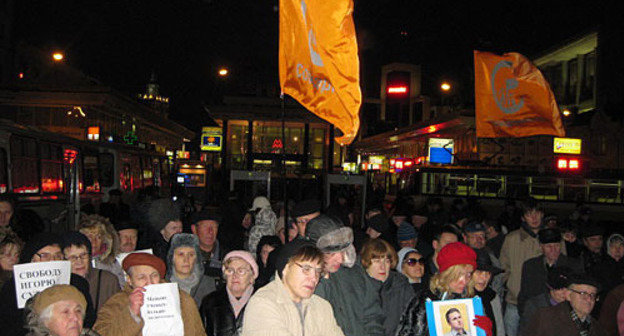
(484, 323)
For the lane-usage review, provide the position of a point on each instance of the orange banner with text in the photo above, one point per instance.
(318, 61)
(512, 98)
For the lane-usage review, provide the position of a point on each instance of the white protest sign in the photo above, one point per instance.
(33, 278)
(121, 256)
(161, 310)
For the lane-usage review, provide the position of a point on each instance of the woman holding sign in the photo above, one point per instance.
(457, 261)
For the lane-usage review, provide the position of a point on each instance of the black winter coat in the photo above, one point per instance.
(218, 316)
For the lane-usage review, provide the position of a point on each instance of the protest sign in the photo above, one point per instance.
(33, 278)
(121, 256)
(161, 310)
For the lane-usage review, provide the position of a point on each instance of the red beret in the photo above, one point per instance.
(456, 254)
(145, 259)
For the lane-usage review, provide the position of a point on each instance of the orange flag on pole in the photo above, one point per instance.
(512, 98)
(318, 61)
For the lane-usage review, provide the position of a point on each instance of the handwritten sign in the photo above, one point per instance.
(161, 310)
(33, 278)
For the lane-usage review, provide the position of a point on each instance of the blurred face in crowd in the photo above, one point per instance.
(171, 228)
(301, 277)
(184, 258)
(206, 231)
(533, 218)
(582, 299)
(128, 240)
(95, 237)
(476, 240)
(593, 243)
(481, 279)
(302, 222)
(458, 285)
(379, 268)
(143, 275)
(445, 238)
(48, 253)
(247, 220)
(66, 318)
(333, 261)
(372, 233)
(559, 295)
(238, 276)
(408, 243)
(413, 266)
(455, 320)
(293, 231)
(551, 251)
(616, 250)
(397, 220)
(9, 257)
(264, 253)
(79, 258)
(6, 212)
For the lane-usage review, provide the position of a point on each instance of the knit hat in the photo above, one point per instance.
(161, 212)
(378, 223)
(456, 254)
(547, 236)
(184, 240)
(306, 207)
(406, 231)
(37, 243)
(592, 230)
(402, 254)
(246, 256)
(260, 202)
(205, 214)
(56, 293)
(75, 238)
(144, 259)
(287, 251)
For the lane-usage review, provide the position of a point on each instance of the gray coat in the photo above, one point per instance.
(396, 293)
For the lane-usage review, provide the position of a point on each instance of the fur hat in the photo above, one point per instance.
(56, 293)
(161, 212)
(109, 235)
(184, 240)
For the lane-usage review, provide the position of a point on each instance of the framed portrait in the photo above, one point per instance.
(454, 317)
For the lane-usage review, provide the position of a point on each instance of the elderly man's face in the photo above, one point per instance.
(582, 299)
(128, 240)
(171, 228)
(333, 261)
(476, 240)
(48, 253)
(143, 275)
(206, 232)
(593, 243)
(66, 319)
(6, 212)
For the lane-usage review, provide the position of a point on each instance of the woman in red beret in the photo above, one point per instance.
(457, 261)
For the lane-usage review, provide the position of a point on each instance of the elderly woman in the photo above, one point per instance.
(104, 244)
(186, 268)
(57, 311)
(456, 263)
(412, 265)
(10, 249)
(379, 259)
(222, 311)
(610, 270)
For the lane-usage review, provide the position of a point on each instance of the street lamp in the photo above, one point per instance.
(445, 86)
(566, 113)
(223, 72)
(58, 56)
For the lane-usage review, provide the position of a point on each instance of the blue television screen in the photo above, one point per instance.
(440, 155)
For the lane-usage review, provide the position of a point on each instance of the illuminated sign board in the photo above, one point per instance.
(441, 150)
(376, 159)
(567, 146)
(93, 133)
(211, 139)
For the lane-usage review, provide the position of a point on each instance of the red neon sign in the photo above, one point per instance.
(70, 155)
(397, 89)
(277, 143)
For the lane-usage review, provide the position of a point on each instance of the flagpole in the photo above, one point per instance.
(283, 169)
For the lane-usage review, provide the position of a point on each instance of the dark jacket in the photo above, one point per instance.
(354, 296)
(491, 302)
(556, 320)
(610, 273)
(534, 274)
(395, 293)
(218, 316)
(496, 244)
(531, 306)
(609, 310)
(102, 285)
(12, 318)
(413, 321)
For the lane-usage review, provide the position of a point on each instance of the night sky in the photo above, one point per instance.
(186, 41)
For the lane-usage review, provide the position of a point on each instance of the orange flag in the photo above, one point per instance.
(318, 61)
(512, 98)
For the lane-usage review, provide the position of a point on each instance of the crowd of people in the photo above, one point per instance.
(301, 269)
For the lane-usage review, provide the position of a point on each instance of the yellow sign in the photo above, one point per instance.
(211, 139)
(376, 159)
(566, 146)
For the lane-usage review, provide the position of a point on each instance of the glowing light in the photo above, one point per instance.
(21, 75)
(58, 56)
(445, 86)
(223, 72)
(566, 113)
(397, 89)
(562, 164)
(573, 164)
(432, 129)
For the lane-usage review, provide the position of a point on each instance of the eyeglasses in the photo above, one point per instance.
(81, 256)
(585, 295)
(414, 261)
(49, 256)
(238, 271)
(307, 270)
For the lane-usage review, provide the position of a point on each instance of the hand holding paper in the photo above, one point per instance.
(136, 300)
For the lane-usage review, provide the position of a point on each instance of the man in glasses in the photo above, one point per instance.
(103, 284)
(571, 317)
(412, 265)
(288, 305)
(41, 248)
(348, 288)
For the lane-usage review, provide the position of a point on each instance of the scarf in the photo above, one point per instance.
(582, 326)
(187, 283)
(239, 304)
(528, 230)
